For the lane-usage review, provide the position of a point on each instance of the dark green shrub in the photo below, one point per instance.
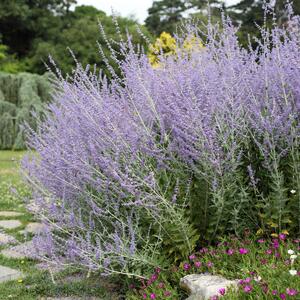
(20, 95)
(7, 131)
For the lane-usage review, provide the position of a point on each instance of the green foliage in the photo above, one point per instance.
(180, 236)
(246, 12)
(33, 32)
(83, 43)
(6, 131)
(20, 95)
(166, 15)
(24, 21)
(264, 267)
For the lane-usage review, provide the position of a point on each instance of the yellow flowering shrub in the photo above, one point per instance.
(165, 44)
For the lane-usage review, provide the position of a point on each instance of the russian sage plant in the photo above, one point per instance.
(130, 173)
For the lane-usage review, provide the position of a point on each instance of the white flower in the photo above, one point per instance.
(293, 257)
(293, 272)
(293, 191)
(290, 252)
(257, 279)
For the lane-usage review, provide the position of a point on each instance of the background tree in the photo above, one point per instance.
(250, 13)
(165, 15)
(23, 21)
(83, 43)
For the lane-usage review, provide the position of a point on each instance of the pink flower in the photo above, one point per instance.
(263, 261)
(193, 256)
(222, 291)
(291, 292)
(186, 266)
(144, 296)
(197, 264)
(209, 264)
(243, 251)
(203, 250)
(161, 285)
(247, 288)
(242, 281)
(274, 292)
(282, 296)
(167, 293)
(265, 288)
(230, 251)
(277, 255)
(152, 296)
(275, 244)
(269, 251)
(214, 297)
(260, 241)
(282, 236)
(247, 280)
(154, 277)
(158, 270)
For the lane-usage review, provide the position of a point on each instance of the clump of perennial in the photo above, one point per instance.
(118, 163)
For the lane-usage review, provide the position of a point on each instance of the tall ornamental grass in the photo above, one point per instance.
(130, 174)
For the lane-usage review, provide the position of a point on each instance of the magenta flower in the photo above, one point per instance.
(209, 264)
(291, 292)
(230, 251)
(154, 277)
(282, 236)
(167, 293)
(275, 244)
(260, 241)
(197, 264)
(242, 281)
(193, 256)
(269, 251)
(248, 288)
(186, 266)
(282, 296)
(263, 261)
(144, 296)
(247, 280)
(274, 292)
(214, 297)
(203, 250)
(222, 291)
(265, 288)
(152, 296)
(243, 251)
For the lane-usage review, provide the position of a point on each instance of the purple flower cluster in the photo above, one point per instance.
(111, 155)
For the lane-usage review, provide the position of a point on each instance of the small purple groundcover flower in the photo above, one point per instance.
(243, 251)
(108, 151)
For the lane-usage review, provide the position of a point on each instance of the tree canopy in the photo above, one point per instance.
(33, 30)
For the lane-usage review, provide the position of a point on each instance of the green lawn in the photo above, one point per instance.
(38, 284)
